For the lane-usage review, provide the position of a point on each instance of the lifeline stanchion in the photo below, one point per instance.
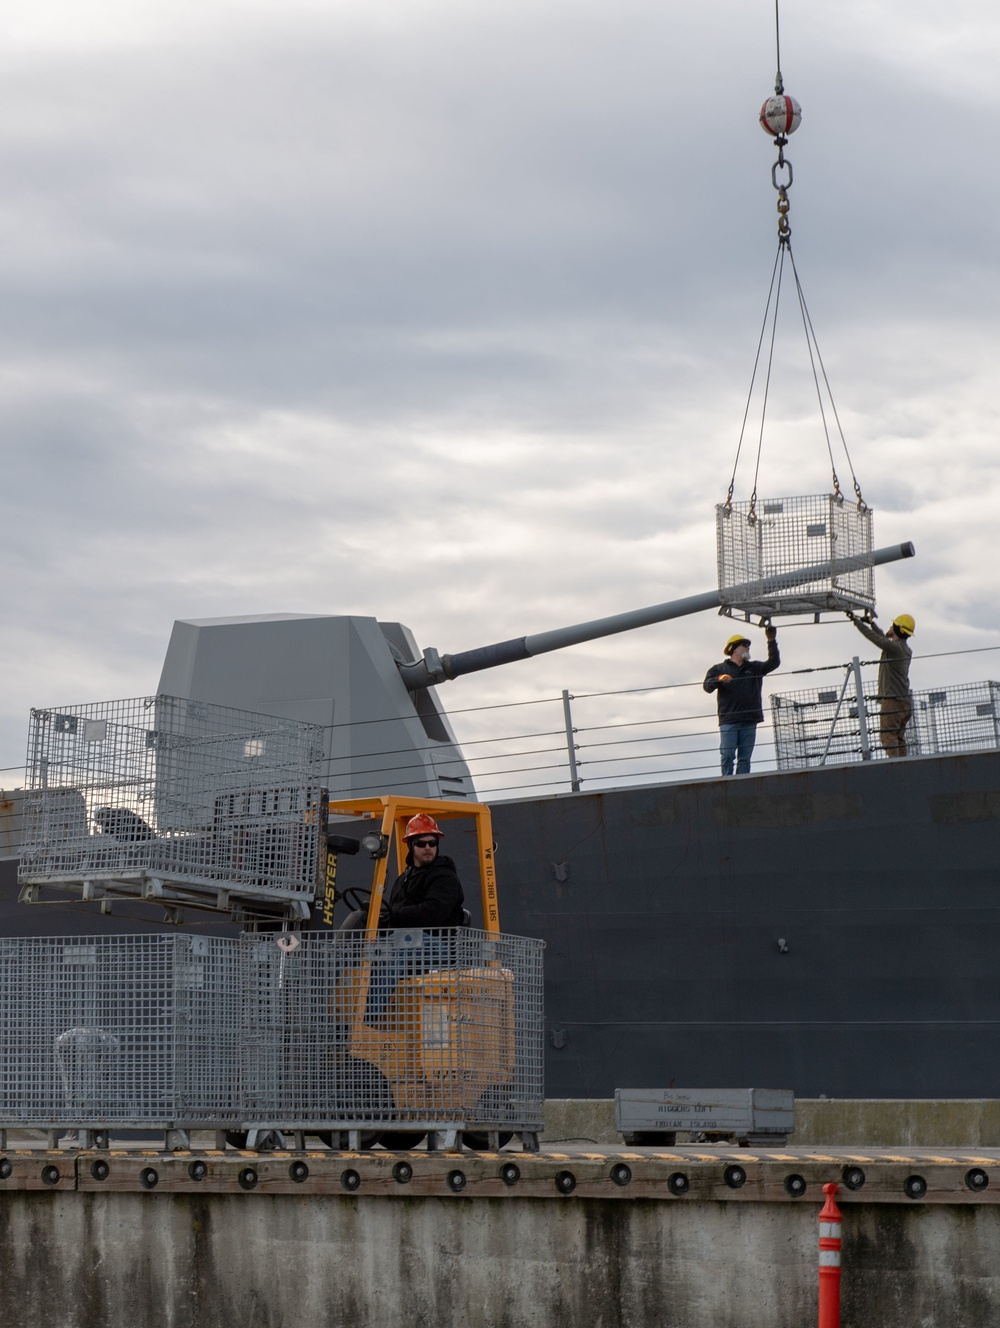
(829, 1260)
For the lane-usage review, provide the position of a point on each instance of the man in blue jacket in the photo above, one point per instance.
(738, 684)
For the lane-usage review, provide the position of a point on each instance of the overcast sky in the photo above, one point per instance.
(446, 312)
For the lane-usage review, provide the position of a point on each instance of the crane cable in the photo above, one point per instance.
(783, 164)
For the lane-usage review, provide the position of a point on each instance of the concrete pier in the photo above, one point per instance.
(320, 1239)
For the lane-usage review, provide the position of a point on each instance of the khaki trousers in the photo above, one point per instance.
(894, 716)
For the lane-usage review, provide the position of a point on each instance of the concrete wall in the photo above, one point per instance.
(69, 1260)
(858, 1123)
(915, 1123)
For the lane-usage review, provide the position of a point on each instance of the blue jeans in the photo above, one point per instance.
(736, 744)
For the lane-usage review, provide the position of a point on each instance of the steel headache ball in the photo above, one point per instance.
(780, 115)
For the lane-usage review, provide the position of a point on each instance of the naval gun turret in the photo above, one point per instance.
(372, 691)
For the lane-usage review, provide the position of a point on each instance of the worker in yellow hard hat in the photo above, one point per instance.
(738, 683)
(894, 698)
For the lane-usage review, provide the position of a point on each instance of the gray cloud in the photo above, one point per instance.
(448, 314)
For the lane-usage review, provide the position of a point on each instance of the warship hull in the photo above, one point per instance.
(831, 931)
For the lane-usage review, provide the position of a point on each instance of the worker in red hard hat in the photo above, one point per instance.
(894, 697)
(738, 683)
(422, 824)
(428, 892)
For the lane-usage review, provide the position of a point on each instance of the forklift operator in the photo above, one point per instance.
(428, 893)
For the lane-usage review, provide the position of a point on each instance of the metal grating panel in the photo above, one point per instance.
(761, 556)
(173, 790)
(956, 719)
(421, 1028)
(124, 1030)
(817, 727)
(411, 1029)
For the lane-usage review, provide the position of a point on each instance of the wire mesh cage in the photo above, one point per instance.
(823, 727)
(407, 1032)
(192, 797)
(122, 1030)
(411, 1031)
(817, 727)
(804, 555)
(957, 719)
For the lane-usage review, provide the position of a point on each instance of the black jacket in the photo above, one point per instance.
(428, 896)
(739, 700)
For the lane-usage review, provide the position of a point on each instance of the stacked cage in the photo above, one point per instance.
(816, 727)
(823, 727)
(411, 1031)
(418, 1030)
(128, 1031)
(805, 555)
(956, 719)
(171, 798)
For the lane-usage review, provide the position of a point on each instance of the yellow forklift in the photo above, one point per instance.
(431, 1027)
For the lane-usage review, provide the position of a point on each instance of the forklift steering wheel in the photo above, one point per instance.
(356, 897)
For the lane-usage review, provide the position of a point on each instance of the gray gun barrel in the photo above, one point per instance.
(434, 668)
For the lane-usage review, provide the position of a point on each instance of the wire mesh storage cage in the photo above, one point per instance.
(413, 1031)
(119, 1030)
(823, 727)
(817, 727)
(804, 555)
(964, 718)
(168, 798)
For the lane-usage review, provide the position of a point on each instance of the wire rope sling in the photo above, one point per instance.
(804, 555)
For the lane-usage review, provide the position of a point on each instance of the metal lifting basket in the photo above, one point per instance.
(803, 555)
(414, 1031)
(171, 799)
(127, 1031)
(823, 726)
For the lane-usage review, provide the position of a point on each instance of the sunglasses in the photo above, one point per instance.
(424, 843)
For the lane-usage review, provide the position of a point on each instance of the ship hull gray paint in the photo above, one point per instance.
(662, 961)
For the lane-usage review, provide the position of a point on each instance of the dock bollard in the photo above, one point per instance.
(829, 1260)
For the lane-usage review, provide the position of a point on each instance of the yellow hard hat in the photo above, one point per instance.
(905, 624)
(733, 642)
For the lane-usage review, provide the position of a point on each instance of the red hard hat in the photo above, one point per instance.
(422, 824)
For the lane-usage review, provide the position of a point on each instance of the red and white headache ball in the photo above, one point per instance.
(780, 115)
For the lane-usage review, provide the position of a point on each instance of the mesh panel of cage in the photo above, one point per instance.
(822, 727)
(956, 719)
(122, 1030)
(172, 790)
(809, 554)
(817, 727)
(414, 1029)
